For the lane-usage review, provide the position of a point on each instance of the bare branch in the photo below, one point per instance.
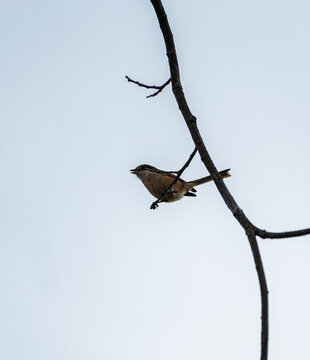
(159, 88)
(251, 230)
(179, 173)
(191, 122)
(280, 235)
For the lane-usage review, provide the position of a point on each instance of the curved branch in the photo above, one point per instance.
(205, 157)
(189, 118)
(251, 230)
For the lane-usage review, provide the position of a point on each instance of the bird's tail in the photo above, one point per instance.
(224, 173)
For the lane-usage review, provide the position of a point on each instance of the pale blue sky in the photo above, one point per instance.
(87, 271)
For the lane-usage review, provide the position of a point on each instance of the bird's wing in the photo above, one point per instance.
(170, 174)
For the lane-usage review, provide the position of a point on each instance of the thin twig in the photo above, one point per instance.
(179, 173)
(159, 88)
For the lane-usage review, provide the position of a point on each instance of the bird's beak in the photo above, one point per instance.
(133, 171)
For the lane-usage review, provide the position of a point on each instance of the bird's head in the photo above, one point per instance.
(142, 169)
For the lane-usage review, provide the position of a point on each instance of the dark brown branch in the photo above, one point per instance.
(280, 235)
(264, 291)
(205, 157)
(178, 175)
(158, 87)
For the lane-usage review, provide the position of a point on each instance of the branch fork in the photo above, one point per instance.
(159, 88)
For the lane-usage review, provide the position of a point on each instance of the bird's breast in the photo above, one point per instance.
(157, 183)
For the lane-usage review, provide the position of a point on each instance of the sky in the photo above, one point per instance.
(87, 270)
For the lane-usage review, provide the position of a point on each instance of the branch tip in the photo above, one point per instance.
(159, 88)
(280, 235)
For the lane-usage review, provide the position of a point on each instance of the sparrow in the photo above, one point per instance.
(157, 181)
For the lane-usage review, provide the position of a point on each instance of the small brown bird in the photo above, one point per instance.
(157, 181)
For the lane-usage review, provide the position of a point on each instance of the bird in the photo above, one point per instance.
(157, 181)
